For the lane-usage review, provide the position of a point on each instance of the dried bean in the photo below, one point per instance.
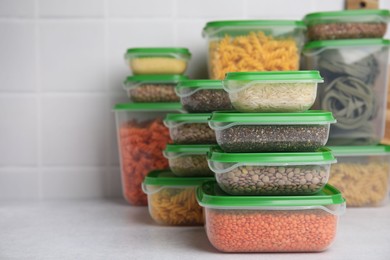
(207, 100)
(191, 165)
(193, 133)
(153, 93)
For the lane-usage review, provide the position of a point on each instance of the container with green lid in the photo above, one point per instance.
(299, 173)
(253, 45)
(270, 223)
(172, 200)
(271, 132)
(152, 88)
(142, 137)
(272, 91)
(158, 60)
(356, 76)
(203, 96)
(190, 128)
(348, 24)
(362, 174)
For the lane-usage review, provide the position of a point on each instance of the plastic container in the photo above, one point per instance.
(142, 137)
(158, 60)
(362, 174)
(203, 96)
(253, 45)
(190, 129)
(350, 24)
(355, 74)
(271, 173)
(271, 132)
(153, 88)
(172, 200)
(276, 91)
(270, 224)
(188, 160)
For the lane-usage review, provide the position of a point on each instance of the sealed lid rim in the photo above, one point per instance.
(276, 76)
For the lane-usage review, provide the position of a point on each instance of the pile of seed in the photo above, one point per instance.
(193, 133)
(272, 138)
(207, 100)
(273, 180)
(346, 31)
(190, 166)
(153, 93)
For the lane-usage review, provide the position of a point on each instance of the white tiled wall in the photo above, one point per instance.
(61, 70)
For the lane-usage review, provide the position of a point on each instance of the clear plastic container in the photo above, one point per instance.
(152, 88)
(362, 174)
(203, 96)
(253, 45)
(276, 91)
(270, 224)
(271, 173)
(158, 60)
(188, 160)
(142, 137)
(349, 24)
(190, 129)
(355, 74)
(172, 200)
(271, 132)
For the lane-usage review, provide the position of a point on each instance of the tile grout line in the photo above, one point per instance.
(174, 18)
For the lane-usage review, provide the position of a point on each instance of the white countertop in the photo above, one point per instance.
(111, 229)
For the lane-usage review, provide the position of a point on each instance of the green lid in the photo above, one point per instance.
(148, 107)
(200, 83)
(360, 150)
(270, 76)
(154, 78)
(167, 178)
(210, 195)
(345, 43)
(189, 148)
(184, 118)
(337, 16)
(153, 51)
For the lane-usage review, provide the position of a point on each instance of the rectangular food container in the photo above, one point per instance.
(349, 24)
(158, 60)
(270, 224)
(142, 137)
(275, 91)
(271, 132)
(362, 174)
(172, 200)
(271, 173)
(355, 74)
(188, 160)
(190, 128)
(253, 45)
(203, 96)
(152, 88)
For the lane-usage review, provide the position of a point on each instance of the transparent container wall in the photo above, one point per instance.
(192, 133)
(190, 165)
(153, 92)
(354, 90)
(363, 180)
(243, 230)
(205, 100)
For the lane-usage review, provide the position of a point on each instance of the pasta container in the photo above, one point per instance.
(158, 60)
(152, 88)
(172, 200)
(275, 91)
(190, 128)
(202, 96)
(269, 223)
(271, 132)
(253, 45)
(350, 24)
(188, 160)
(142, 137)
(362, 174)
(271, 173)
(356, 76)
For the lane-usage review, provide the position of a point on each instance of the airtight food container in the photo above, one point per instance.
(271, 173)
(203, 96)
(349, 24)
(142, 137)
(158, 60)
(172, 200)
(190, 128)
(188, 160)
(362, 174)
(356, 76)
(152, 88)
(271, 132)
(270, 223)
(253, 45)
(275, 91)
